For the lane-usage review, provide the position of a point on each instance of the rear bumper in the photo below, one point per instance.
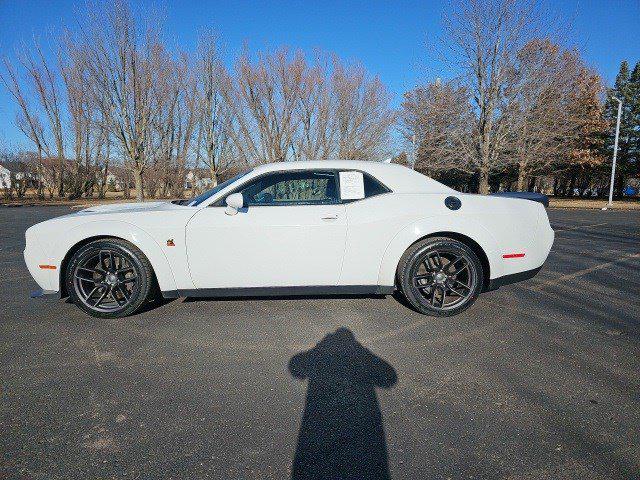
(495, 283)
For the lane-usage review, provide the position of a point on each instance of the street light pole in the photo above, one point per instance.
(615, 152)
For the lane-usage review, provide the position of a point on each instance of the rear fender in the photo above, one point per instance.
(433, 225)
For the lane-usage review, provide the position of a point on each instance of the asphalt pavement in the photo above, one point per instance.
(537, 380)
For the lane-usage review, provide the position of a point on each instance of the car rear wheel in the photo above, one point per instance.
(440, 276)
(109, 278)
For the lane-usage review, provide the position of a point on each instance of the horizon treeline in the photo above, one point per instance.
(114, 98)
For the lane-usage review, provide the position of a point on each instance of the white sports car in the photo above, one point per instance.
(294, 228)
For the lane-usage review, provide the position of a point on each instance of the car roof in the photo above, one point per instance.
(398, 178)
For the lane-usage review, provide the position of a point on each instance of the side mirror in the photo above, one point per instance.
(234, 202)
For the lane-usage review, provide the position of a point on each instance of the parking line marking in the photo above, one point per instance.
(579, 226)
(580, 273)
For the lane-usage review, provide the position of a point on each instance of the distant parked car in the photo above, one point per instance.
(536, 197)
(295, 228)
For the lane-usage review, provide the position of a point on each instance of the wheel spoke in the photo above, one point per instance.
(123, 291)
(90, 270)
(116, 289)
(102, 257)
(438, 264)
(417, 279)
(433, 296)
(457, 292)
(461, 269)
(468, 287)
(102, 297)
(92, 292)
(88, 276)
(444, 294)
(451, 265)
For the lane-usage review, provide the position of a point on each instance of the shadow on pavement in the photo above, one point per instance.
(341, 434)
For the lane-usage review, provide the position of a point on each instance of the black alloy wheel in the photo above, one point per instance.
(440, 276)
(109, 278)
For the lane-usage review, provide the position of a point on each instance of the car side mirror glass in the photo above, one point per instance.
(234, 202)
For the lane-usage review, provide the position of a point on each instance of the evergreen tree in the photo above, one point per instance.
(634, 144)
(627, 89)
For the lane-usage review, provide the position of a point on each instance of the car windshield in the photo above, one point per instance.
(195, 201)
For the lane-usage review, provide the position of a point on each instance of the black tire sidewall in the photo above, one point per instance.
(141, 293)
(416, 252)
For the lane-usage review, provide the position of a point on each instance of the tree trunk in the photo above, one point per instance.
(483, 182)
(137, 176)
(521, 179)
(61, 178)
(127, 179)
(214, 175)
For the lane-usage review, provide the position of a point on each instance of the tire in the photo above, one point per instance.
(440, 289)
(109, 278)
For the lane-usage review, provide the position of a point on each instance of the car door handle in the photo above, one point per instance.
(330, 217)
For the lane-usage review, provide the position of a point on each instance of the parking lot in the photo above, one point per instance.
(537, 380)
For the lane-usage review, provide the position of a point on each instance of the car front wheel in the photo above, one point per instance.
(109, 278)
(440, 276)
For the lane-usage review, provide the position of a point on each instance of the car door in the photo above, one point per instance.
(291, 232)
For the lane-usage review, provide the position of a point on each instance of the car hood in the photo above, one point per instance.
(131, 208)
(151, 214)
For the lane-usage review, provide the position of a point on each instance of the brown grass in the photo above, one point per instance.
(593, 204)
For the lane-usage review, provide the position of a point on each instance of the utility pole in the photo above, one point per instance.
(615, 152)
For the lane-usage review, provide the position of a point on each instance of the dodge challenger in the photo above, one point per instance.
(294, 228)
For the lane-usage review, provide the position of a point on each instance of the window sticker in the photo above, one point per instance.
(351, 185)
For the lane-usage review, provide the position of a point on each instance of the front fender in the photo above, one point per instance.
(408, 235)
(119, 229)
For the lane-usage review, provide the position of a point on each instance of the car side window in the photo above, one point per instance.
(372, 187)
(307, 187)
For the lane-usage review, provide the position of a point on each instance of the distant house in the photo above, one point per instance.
(199, 178)
(113, 182)
(5, 177)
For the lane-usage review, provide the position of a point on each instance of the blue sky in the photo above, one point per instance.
(389, 38)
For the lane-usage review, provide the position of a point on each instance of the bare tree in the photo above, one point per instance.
(102, 155)
(80, 109)
(124, 67)
(27, 118)
(438, 118)
(44, 79)
(117, 96)
(215, 117)
(174, 127)
(362, 113)
(315, 139)
(483, 38)
(540, 107)
(262, 99)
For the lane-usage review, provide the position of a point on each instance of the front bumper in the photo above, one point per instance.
(36, 258)
(44, 293)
